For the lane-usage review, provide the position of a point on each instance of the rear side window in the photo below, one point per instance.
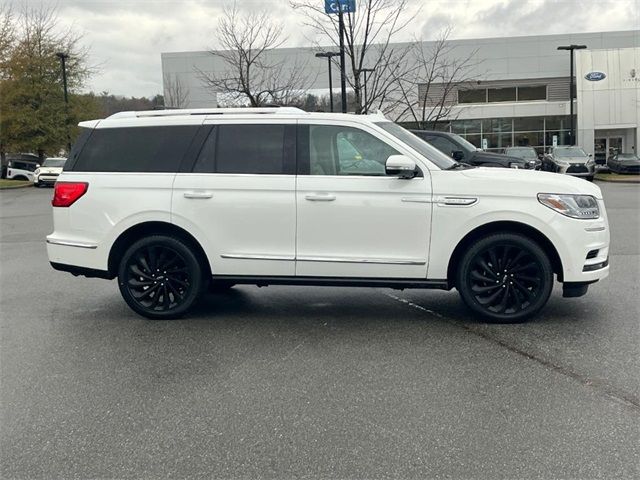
(137, 149)
(250, 149)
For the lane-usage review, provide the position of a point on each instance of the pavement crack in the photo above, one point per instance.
(604, 388)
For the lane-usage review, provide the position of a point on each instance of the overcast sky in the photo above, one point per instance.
(126, 37)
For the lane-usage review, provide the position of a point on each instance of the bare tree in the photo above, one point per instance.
(176, 93)
(426, 93)
(369, 33)
(251, 73)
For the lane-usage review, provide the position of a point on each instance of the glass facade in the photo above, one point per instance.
(537, 132)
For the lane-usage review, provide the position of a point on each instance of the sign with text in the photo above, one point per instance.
(332, 6)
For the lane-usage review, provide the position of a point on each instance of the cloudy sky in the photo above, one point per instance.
(126, 37)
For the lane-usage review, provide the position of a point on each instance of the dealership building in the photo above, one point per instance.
(519, 94)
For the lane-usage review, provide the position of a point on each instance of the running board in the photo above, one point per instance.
(397, 283)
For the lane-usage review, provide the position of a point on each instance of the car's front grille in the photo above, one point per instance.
(577, 168)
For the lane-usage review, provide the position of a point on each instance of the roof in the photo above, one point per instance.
(198, 115)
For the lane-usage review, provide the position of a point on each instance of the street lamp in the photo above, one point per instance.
(63, 64)
(571, 48)
(328, 56)
(365, 70)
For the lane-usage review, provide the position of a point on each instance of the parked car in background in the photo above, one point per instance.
(48, 173)
(463, 151)
(17, 157)
(528, 154)
(170, 202)
(22, 169)
(569, 160)
(624, 163)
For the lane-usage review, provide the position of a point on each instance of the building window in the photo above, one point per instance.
(477, 95)
(526, 94)
(501, 94)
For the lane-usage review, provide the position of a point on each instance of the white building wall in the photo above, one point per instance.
(610, 106)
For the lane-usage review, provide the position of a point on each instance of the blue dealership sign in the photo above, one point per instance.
(332, 6)
(595, 76)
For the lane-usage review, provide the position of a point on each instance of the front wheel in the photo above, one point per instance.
(160, 277)
(590, 178)
(505, 277)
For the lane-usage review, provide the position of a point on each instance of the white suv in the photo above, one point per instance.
(172, 202)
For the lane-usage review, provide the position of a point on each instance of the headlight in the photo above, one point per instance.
(515, 165)
(37, 172)
(574, 206)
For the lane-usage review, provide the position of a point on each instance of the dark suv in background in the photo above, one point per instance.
(463, 151)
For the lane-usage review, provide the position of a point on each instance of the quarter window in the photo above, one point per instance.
(339, 150)
(135, 149)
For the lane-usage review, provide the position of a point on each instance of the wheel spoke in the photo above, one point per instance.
(491, 271)
(489, 288)
(143, 262)
(505, 256)
(153, 259)
(147, 292)
(527, 278)
(503, 302)
(488, 300)
(478, 276)
(524, 267)
(134, 282)
(529, 294)
(494, 260)
(136, 270)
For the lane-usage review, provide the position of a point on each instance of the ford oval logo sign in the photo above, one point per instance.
(595, 76)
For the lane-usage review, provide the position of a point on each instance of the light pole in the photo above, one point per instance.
(365, 70)
(571, 48)
(343, 75)
(63, 63)
(328, 56)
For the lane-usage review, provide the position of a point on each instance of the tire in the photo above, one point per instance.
(590, 178)
(220, 286)
(526, 280)
(171, 296)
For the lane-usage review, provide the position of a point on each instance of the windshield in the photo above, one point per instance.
(523, 152)
(54, 162)
(466, 144)
(569, 152)
(419, 145)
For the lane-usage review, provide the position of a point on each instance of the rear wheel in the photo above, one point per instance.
(505, 278)
(160, 277)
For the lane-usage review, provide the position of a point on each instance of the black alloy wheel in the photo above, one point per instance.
(160, 277)
(505, 278)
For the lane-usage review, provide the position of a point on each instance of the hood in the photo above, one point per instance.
(498, 157)
(511, 182)
(572, 159)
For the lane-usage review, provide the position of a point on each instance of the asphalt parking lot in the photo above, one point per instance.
(292, 382)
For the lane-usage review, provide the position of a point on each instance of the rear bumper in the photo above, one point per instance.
(82, 271)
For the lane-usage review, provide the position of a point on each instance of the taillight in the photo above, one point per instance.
(66, 193)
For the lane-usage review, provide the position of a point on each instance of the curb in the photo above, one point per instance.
(604, 178)
(13, 187)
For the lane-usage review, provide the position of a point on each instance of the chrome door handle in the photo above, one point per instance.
(320, 197)
(198, 194)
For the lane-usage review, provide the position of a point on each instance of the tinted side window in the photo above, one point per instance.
(137, 149)
(247, 148)
(442, 144)
(339, 150)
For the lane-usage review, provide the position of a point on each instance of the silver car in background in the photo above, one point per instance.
(570, 160)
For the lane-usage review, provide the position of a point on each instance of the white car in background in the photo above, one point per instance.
(48, 173)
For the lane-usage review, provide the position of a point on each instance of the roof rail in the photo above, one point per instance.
(206, 111)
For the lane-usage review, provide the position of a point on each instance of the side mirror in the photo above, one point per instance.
(590, 155)
(457, 155)
(400, 166)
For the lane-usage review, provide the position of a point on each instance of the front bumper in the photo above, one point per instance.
(45, 179)
(578, 169)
